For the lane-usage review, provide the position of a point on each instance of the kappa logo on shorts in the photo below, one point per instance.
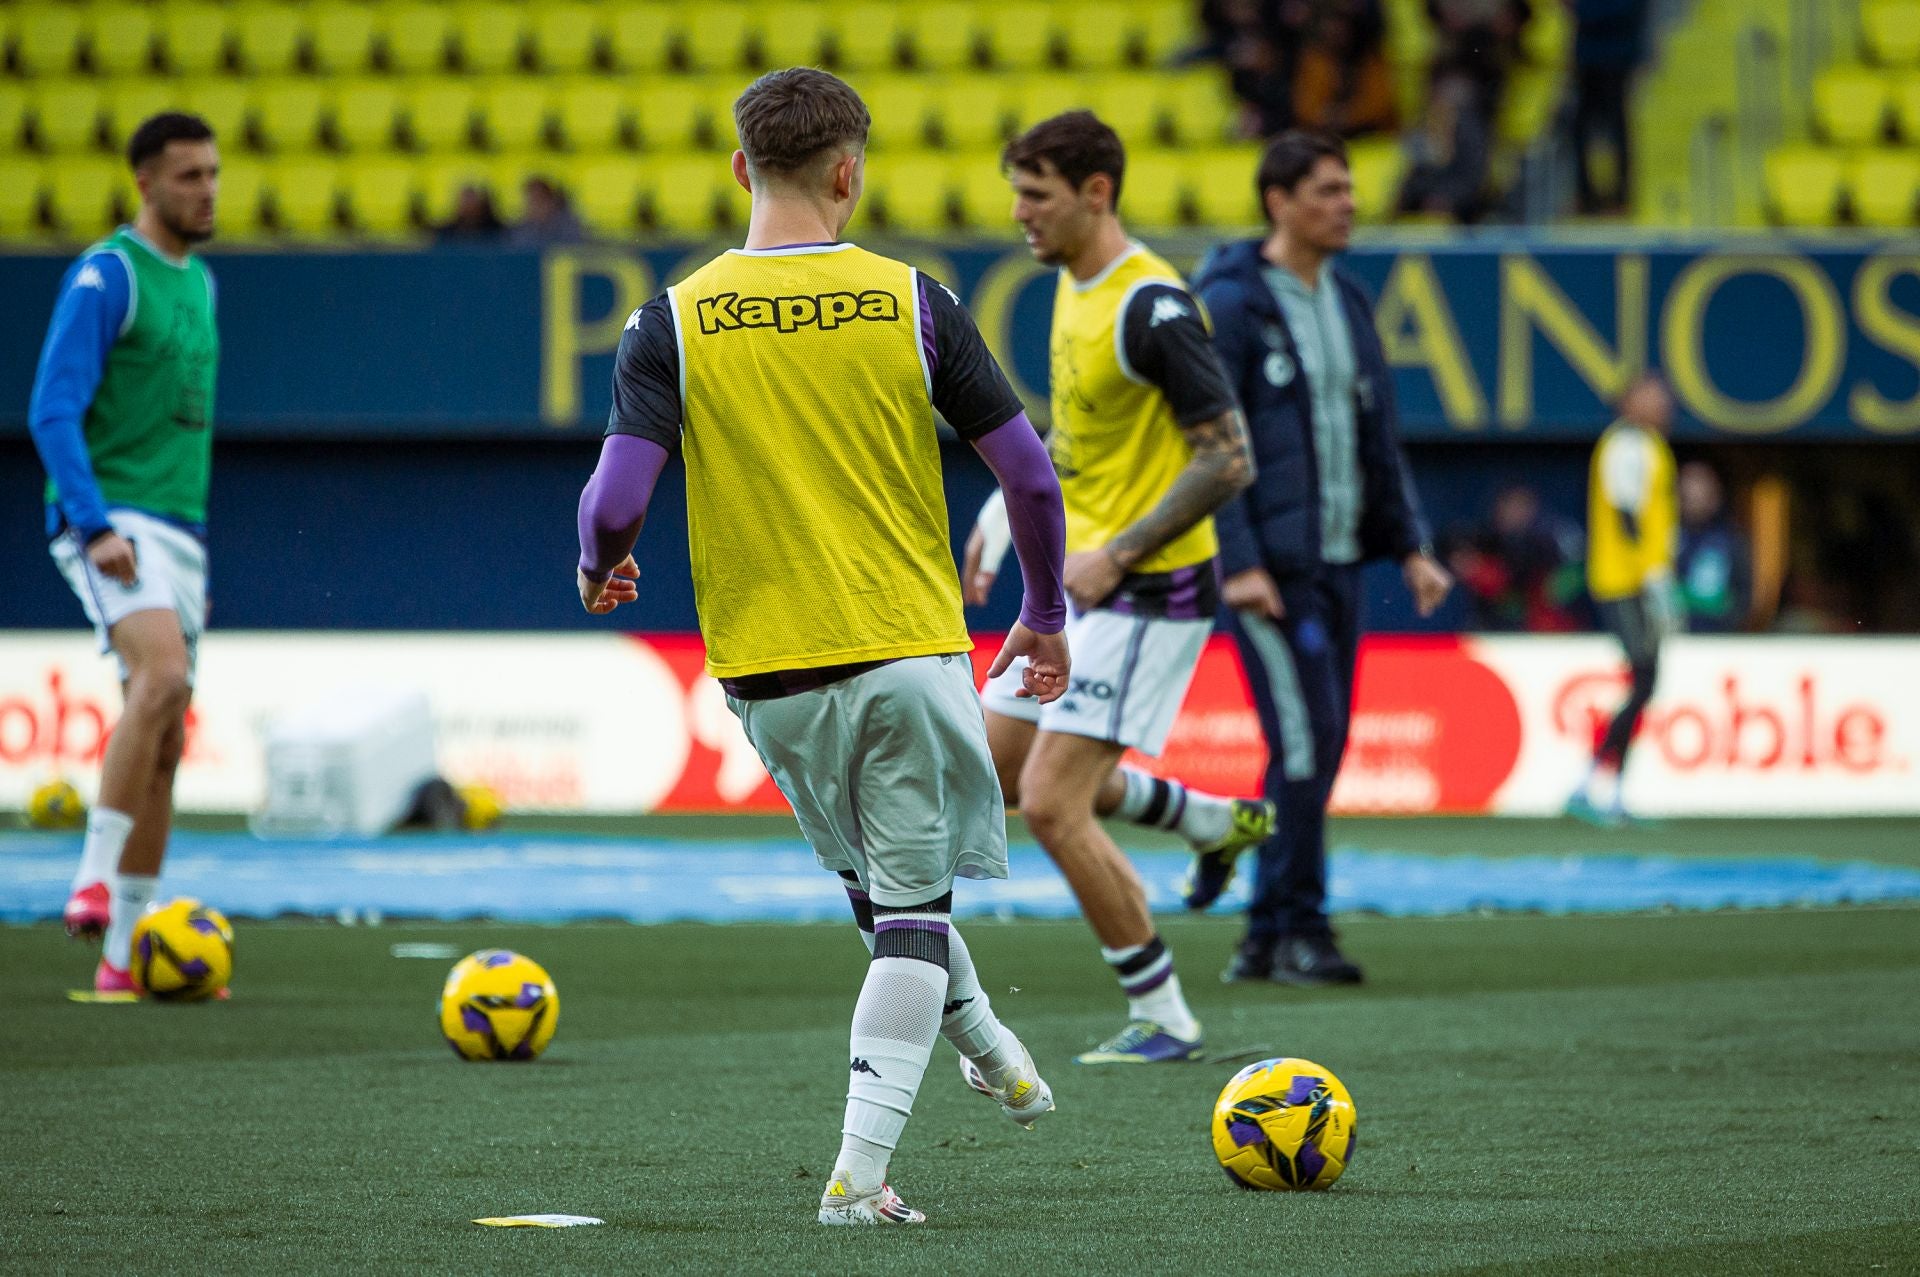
(730, 312)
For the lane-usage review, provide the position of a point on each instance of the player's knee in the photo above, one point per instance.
(1051, 817)
(159, 691)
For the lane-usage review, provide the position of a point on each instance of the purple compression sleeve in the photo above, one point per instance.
(614, 503)
(1039, 524)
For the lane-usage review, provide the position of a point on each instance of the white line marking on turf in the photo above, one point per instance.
(439, 951)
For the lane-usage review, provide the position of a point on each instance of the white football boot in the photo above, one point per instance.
(1025, 1100)
(839, 1206)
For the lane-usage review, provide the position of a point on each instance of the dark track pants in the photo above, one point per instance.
(1300, 670)
(1635, 622)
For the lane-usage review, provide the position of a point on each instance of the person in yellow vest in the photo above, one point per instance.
(1148, 441)
(1632, 541)
(798, 377)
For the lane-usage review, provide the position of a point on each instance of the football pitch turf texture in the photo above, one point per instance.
(1695, 1092)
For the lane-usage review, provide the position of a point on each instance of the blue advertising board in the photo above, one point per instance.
(1490, 338)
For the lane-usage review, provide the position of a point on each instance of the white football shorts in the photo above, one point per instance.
(171, 576)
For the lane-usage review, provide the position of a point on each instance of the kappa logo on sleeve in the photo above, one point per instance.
(730, 312)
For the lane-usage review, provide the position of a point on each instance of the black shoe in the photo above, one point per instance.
(1212, 869)
(1251, 964)
(1313, 960)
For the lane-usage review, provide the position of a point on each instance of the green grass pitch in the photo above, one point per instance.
(1720, 1093)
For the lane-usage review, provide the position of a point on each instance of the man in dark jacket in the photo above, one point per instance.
(1297, 338)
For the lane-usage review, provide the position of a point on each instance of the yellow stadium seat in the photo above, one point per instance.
(83, 195)
(1850, 104)
(1906, 108)
(66, 114)
(440, 114)
(592, 114)
(1377, 169)
(46, 38)
(286, 114)
(1098, 41)
(986, 198)
(242, 182)
(415, 35)
(565, 35)
(1162, 28)
(713, 34)
(914, 191)
(1127, 102)
(1198, 107)
(1034, 98)
(669, 113)
(864, 36)
(683, 191)
(969, 111)
(941, 34)
(340, 36)
(379, 197)
(1223, 186)
(306, 196)
(1018, 34)
(193, 36)
(1892, 31)
(131, 102)
(1153, 190)
(1803, 185)
(640, 37)
(120, 38)
(1883, 186)
(513, 113)
(899, 105)
(606, 193)
(488, 34)
(23, 182)
(366, 111)
(266, 38)
(791, 34)
(441, 179)
(13, 115)
(224, 104)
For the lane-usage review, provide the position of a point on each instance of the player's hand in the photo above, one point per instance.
(1090, 577)
(601, 597)
(1253, 590)
(975, 581)
(1048, 664)
(1428, 581)
(114, 556)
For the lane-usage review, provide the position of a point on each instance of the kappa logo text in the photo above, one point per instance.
(827, 311)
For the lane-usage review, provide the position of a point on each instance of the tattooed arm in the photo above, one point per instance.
(1221, 466)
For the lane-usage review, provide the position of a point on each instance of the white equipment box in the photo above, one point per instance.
(349, 763)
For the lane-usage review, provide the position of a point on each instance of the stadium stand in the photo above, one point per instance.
(390, 105)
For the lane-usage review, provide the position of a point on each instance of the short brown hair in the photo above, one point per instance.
(1077, 144)
(1291, 156)
(789, 118)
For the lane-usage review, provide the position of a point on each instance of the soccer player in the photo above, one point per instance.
(122, 416)
(1632, 540)
(1297, 336)
(1148, 442)
(798, 376)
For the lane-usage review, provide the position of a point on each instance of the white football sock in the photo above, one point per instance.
(1167, 1007)
(1152, 989)
(1157, 802)
(107, 832)
(132, 893)
(967, 1020)
(895, 1023)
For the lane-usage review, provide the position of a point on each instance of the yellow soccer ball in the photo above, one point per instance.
(182, 952)
(56, 804)
(480, 807)
(1283, 1125)
(498, 1005)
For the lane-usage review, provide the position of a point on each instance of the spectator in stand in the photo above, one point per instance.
(1522, 568)
(1258, 52)
(1341, 83)
(1449, 155)
(549, 219)
(1609, 43)
(474, 220)
(1479, 39)
(1715, 569)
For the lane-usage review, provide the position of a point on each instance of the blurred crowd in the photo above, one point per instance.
(548, 218)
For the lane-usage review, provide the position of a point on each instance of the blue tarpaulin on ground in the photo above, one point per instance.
(556, 879)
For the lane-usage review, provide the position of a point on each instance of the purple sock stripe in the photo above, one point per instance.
(917, 924)
(1149, 984)
(855, 893)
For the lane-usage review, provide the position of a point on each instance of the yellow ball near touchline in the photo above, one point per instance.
(480, 807)
(1283, 1125)
(182, 952)
(56, 804)
(498, 1005)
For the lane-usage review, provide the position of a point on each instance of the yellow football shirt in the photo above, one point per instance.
(1632, 520)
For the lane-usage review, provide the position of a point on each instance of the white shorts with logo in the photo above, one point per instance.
(1130, 674)
(170, 576)
(889, 775)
